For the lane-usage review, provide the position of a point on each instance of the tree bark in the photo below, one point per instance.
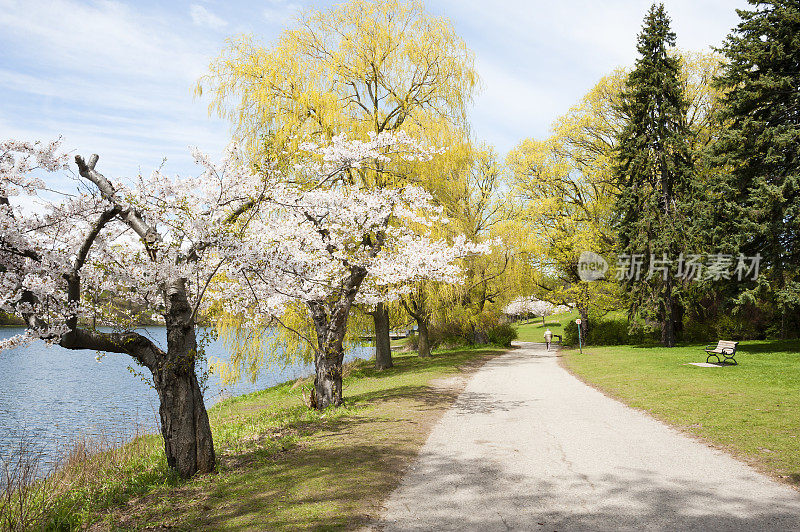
(584, 312)
(423, 338)
(330, 323)
(328, 380)
(188, 443)
(383, 345)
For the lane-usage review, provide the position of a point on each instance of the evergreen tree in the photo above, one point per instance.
(760, 146)
(654, 169)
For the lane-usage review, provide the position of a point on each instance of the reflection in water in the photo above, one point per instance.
(53, 396)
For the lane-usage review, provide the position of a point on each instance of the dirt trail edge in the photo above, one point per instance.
(527, 446)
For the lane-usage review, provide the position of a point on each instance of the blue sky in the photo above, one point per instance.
(116, 78)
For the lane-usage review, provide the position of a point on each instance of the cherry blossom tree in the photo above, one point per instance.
(233, 238)
(527, 306)
(158, 243)
(335, 246)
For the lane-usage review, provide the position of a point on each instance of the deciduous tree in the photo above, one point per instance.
(158, 244)
(364, 66)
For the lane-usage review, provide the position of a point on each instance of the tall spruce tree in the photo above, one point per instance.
(654, 169)
(760, 148)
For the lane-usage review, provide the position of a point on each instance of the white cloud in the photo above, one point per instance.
(537, 58)
(281, 12)
(117, 78)
(205, 18)
(112, 80)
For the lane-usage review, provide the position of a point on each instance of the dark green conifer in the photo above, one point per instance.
(654, 169)
(760, 150)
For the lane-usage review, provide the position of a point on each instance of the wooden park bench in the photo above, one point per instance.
(725, 348)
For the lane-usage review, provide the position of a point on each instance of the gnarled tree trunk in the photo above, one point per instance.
(330, 323)
(328, 379)
(184, 420)
(383, 344)
(188, 443)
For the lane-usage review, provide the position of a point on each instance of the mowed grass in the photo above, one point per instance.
(533, 330)
(751, 410)
(283, 466)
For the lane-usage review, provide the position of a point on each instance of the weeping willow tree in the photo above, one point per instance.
(279, 342)
(361, 67)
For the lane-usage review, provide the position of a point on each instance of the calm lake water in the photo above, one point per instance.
(53, 396)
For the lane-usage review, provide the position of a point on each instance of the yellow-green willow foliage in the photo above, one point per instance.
(473, 198)
(361, 66)
(274, 344)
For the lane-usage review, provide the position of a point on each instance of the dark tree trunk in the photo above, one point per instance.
(479, 337)
(184, 421)
(584, 312)
(188, 443)
(328, 380)
(383, 344)
(678, 312)
(423, 339)
(330, 323)
(668, 325)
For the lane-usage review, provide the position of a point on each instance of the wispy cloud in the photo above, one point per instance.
(112, 80)
(539, 58)
(204, 18)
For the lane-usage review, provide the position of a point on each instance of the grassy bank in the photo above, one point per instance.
(281, 465)
(751, 410)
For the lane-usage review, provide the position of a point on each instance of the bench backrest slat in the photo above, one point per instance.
(726, 344)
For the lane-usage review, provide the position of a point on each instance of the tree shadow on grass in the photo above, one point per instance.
(324, 481)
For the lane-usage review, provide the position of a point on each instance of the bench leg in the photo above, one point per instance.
(708, 358)
(731, 359)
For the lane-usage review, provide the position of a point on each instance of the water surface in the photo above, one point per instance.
(53, 396)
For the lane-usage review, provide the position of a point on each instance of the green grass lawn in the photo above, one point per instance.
(751, 410)
(533, 330)
(281, 465)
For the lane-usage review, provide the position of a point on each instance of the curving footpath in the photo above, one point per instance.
(527, 446)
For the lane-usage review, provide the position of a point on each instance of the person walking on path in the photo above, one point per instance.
(548, 338)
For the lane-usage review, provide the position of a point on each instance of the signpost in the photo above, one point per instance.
(580, 341)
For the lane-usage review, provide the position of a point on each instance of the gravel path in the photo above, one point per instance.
(529, 447)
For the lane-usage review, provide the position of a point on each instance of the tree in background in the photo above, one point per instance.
(655, 171)
(530, 306)
(759, 150)
(566, 190)
(365, 66)
(473, 200)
